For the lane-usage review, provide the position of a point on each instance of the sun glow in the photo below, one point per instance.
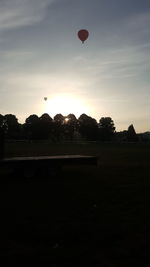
(66, 120)
(65, 105)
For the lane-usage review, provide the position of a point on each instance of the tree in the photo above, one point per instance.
(59, 118)
(11, 126)
(46, 125)
(1, 120)
(88, 127)
(131, 134)
(1, 137)
(58, 127)
(32, 127)
(70, 126)
(106, 128)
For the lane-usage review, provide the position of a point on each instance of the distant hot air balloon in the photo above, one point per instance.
(83, 35)
(45, 98)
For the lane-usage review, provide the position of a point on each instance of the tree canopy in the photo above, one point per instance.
(106, 128)
(63, 128)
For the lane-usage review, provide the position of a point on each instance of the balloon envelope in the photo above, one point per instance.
(45, 98)
(83, 35)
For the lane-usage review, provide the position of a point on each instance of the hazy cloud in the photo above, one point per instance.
(18, 13)
(140, 21)
(125, 62)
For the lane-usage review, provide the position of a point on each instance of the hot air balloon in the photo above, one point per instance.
(45, 98)
(83, 35)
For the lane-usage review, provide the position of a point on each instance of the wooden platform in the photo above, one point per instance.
(45, 163)
(64, 159)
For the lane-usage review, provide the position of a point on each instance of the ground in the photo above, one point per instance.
(86, 216)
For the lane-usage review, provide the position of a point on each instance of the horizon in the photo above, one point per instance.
(42, 56)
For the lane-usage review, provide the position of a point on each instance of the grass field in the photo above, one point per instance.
(87, 216)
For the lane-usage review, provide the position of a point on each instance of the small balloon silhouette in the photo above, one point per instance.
(83, 35)
(45, 98)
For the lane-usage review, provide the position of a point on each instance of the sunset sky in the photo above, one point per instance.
(41, 56)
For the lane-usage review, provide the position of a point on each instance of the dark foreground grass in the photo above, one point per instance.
(86, 216)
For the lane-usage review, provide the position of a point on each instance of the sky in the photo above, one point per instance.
(107, 76)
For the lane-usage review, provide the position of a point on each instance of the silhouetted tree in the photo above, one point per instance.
(144, 137)
(58, 127)
(106, 128)
(1, 137)
(46, 125)
(11, 126)
(1, 120)
(70, 126)
(121, 136)
(32, 127)
(73, 121)
(59, 118)
(131, 134)
(88, 127)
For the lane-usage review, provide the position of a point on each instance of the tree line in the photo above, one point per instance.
(61, 128)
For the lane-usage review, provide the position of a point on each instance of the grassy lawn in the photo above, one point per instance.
(87, 216)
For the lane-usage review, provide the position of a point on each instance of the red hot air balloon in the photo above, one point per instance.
(83, 35)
